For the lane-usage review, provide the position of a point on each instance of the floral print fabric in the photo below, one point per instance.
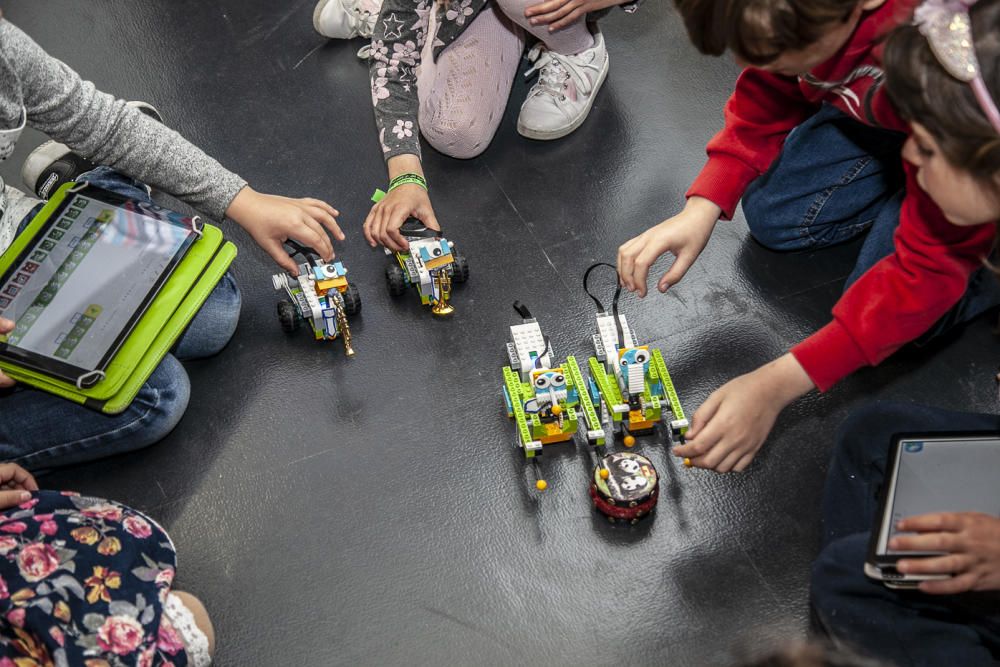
(83, 582)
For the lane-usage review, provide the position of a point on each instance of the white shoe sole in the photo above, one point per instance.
(39, 160)
(549, 135)
(320, 6)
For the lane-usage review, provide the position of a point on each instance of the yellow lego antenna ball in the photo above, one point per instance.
(628, 440)
(557, 410)
(605, 473)
(541, 485)
(687, 462)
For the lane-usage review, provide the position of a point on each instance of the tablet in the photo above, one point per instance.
(926, 473)
(84, 280)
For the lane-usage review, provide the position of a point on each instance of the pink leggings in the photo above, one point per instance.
(463, 95)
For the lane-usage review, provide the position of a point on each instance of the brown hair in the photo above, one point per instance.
(812, 654)
(759, 31)
(924, 92)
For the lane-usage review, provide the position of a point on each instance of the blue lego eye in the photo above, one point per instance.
(641, 357)
(437, 252)
(559, 379)
(543, 382)
(625, 361)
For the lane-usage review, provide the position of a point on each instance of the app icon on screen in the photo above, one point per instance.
(47, 245)
(56, 234)
(22, 278)
(30, 267)
(12, 290)
(72, 213)
(4, 302)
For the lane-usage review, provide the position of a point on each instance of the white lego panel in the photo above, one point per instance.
(608, 333)
(528, 338)
(635, 383)
(309, 292)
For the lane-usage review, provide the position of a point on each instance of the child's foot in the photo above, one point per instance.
(560, 100)
(346, 19)
(52, 164)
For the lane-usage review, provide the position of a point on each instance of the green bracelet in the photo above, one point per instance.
(406, 179)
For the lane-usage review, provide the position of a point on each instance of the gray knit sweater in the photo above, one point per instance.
(44, 93)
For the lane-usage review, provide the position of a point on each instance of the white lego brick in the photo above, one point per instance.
(677, 424)
(528, 338)
(635, 379)
(533, 446)
(608, 333)
(595, 435)
(309, 292)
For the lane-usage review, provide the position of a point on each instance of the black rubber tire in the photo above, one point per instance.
(460, 269)
(395, 279)
(352, 299)
(288, 316)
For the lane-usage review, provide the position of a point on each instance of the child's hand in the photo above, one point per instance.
(383, 222)
(971, 542)
(685, 235)
(557, 14)
(731, 425)
(271, 220)
(16, 485)
(6, 326)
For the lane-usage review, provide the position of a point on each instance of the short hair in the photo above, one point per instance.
(759, 31)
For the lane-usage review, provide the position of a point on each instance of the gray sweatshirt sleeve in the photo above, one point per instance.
(398, 38)
(106, 131)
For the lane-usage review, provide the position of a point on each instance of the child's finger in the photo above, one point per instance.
(281, 258)
(924, 542)
(6, 326)
(728, 464)
(933, 522)
(703, 415)
(744, 462)
(366, 227)
(625, 263)
(396, 237)
(10, 499)
(953, 586)
(324, 218)
(676, 272)
(542, 8)
(6, 382)
(321, 242)
(573, 17)
(323, 205)
(947, 564)
(555, 15)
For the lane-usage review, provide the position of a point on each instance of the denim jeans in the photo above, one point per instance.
(836, 180)
(40, 431)
(906, 627)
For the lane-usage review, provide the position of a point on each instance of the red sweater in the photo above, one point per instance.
(903, 295)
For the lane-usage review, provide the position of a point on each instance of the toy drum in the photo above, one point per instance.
(625, 486)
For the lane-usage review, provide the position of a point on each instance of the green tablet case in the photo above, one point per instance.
(176, 304)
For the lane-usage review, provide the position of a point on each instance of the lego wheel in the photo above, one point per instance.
(395, 279)
(460, 269)
(288, 316)
(352, 300)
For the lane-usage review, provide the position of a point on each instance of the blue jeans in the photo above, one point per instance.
(40, 431)
(906, 627)
(836, 180)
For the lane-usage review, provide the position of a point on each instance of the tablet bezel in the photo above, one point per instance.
(888, 561)
(57, 368)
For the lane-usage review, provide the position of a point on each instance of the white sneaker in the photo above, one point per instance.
(346, 19)
(560, 100)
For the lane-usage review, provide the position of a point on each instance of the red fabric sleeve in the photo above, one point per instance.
(900, 297)
(761, 112)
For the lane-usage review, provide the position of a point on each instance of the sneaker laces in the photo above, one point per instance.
(553, 71)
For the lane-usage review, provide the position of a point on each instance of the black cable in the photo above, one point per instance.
(522, 310)
(298, 249)
(614, 300)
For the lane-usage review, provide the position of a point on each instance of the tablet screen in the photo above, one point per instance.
(946, 474)
(87, 277)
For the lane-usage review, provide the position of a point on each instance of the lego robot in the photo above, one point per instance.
(432, 266)
(321, 295)
(629, 382)
(548, 403)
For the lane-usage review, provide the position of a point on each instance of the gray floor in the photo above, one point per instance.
(372, 511)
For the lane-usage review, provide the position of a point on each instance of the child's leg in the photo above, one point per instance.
(39, 430)
(569, 41)
(463, 95)
(829, 184)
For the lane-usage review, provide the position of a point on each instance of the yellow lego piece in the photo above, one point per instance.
(437, 262)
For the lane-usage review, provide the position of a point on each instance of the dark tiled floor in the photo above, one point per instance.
(372, 511)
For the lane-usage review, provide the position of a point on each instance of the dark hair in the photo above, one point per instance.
(758, 31)
(812, 654)
(923, 91)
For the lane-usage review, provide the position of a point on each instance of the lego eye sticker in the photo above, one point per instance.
(634, 356)
(8, 138)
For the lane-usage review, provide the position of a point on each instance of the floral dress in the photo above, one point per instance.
(87, 582)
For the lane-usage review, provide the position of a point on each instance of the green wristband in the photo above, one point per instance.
(407, 179)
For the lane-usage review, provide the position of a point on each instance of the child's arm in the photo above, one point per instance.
(399, 37)
(763, 109)
(107, 131)
(729, 428)
(6, 326)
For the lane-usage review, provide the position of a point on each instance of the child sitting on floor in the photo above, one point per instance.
(88, 582)
(39, 430)
(812, 146)
(943, 74)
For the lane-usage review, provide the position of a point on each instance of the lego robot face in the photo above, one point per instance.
(634, 356)
(433, 252)
(548, 383)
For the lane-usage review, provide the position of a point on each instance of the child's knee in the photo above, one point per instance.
(766, 219)
(446, 137)
(214, 325)
(162, 402)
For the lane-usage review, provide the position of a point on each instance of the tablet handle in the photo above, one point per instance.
(89, 379)
(197, 225)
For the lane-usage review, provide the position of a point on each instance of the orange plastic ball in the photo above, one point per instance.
(628, 440)
(541, 485)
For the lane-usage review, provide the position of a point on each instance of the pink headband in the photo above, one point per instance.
(946, 25)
